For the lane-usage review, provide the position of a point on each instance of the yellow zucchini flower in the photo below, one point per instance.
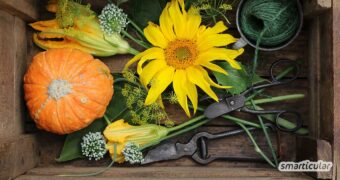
(76, 26)
(183, 50)
(121, 133)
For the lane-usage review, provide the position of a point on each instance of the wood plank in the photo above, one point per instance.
(314, 59)
(18, 154)
(312, 8)
(336, 84)
(171, 172)
(25, 9)
(9, 92)
(317, 150)
(38, 177)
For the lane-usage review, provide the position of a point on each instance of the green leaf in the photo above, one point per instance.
(142, 12)
(240, 80)
(115, 110)
(71, 149)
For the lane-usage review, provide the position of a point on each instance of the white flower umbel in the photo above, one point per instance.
(93, 146)
(132, 153)
(112, 19)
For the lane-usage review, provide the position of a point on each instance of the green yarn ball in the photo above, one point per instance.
(277, 20)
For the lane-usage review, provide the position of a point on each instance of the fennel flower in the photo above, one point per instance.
(182, 51)
(76, 26)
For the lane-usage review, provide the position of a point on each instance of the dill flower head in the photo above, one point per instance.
(112, 19)
(132, 153)
(93, 146)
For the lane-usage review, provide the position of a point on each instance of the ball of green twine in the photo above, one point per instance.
(273, 22)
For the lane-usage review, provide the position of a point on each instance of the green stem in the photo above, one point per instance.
(219, 12)
(174, 134)
(238, 120)
(275, 99)
(264, 128)
(108, 122)
(136, 27)
(282, 122)
(257, 148)
(198, 118)
(185, 130)
(135, 40)
(98, 172)
(133, 51)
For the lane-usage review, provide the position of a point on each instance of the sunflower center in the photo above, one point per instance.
(181, 53)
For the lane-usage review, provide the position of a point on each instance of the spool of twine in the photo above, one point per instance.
(272, 22)
(269, 23)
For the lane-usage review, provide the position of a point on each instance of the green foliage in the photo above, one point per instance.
(142, 12)
(115, 110)
(240, 80)
(72, 149)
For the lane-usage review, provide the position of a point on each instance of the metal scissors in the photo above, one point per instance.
(228, 104)
(197, 148)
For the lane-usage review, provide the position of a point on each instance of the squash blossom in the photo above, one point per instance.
(76, 26)
(121, 134)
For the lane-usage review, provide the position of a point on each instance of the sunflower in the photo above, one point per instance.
(182, 51)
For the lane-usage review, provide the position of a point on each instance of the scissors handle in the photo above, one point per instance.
(201, 155)
(277, 79)
(279, 114)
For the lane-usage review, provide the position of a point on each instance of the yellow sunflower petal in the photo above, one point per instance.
(155, 53)
(155, 36)
(151, 70)
(159, 84)
(192, 93)
(215, 40)
(194, 21)
(166, 24)
(213, 67)
(180, 90)
(134, 59)
(209, 80)
(178, 17)
(221, 54)
(195, 76)
(218, 28)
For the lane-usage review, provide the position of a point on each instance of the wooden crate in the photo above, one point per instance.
(26, 153)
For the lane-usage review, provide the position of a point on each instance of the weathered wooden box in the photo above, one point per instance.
(27, 153)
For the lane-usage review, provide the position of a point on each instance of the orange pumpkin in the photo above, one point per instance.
(66, 89)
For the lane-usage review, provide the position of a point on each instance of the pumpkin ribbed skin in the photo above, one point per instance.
(66, 89)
